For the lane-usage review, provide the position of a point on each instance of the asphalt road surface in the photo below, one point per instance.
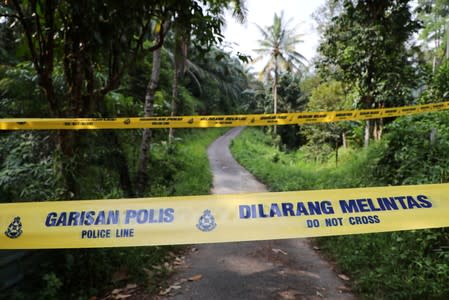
(279, 269)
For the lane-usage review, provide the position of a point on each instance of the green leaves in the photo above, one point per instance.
(411, 155)
(26, 169)
(278, 45)
(397, 265)
(365, 47)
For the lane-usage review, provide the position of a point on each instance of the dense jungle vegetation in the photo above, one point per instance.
(142, 58)
(108, 59)
(372, 54)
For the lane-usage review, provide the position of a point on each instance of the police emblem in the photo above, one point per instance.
(206, 222)
(14, 229)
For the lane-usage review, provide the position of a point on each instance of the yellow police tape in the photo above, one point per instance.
(218, 120)
(222, 218)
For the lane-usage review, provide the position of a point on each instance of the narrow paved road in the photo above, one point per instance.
(281, 269)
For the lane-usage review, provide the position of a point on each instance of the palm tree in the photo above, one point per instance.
(279, 46)
(182, 38)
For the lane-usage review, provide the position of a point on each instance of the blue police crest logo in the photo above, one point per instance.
(14, 229)
(206, 222)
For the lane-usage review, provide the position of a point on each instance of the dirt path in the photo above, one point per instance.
(280, 269)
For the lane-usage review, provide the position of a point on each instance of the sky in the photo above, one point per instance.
(243, 37)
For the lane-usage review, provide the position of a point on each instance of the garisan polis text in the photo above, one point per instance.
(109, 217)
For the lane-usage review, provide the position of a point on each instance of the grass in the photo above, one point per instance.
(194, 176)
(395, 265)
(288, 171)
(182, 168)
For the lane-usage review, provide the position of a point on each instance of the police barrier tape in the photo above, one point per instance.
(218, 120)
(222, 218)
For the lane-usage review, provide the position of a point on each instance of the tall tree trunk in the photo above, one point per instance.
(120, 163)
(180, 57)
(434, 63)
(66, 165)
(41, 47)
(174, 102)
(367, 102)
(434, 59)
(275, 92)
(375, 128)
(447, 40)
(378, 129)
(433, 136)
(367, 133)
(145, 145)
(336, 153)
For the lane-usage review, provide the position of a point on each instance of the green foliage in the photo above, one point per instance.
(438, 89)
(193, 176)
(325, 13)
(290, 171)
(52, 287)
(189, 104)
(218, 80)
(365, 47)
(323, 139)
(290, 99)
(290, 95)
(80, 59)
(440, 83)
(20, 95)
(27, 173)
(278, 45)
(434, 16)
(27, 168)
(122, 104)
(397, 265)
(329, 96)
(256, 98)
(271, 166)
(317, 150)
(182, 167)
(415, 151)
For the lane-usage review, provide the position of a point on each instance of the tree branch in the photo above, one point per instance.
(115, 76)
(40, 36)
(9, 16)
(28, 35)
